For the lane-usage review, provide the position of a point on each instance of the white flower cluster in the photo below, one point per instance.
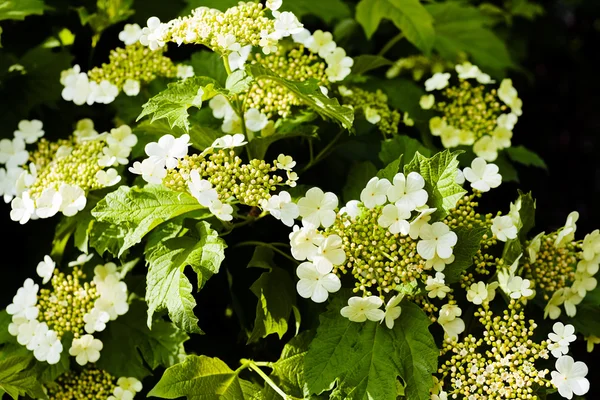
(80, 90)
(484, 145)
(119, 143)
(126, 389)
(255, 121)
(112, 301)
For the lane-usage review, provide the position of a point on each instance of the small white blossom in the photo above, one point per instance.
(168, 150)
(285, 162)
(237, 59)
(567, 233)
(185, 71)
(47, 346)
(95, 320)
(392, 311)
(274, 5)
(305, 242)
(255, 120)
(421, 220)
(322, 43)
(394, 217)
(329, 253)
(152, 35)
(22, 208)
(372, 116)
(228, 42)
(339, 65)
(30, 131)
(569, 377)
(486, 148)
(130, 384)
(77, 87)
(562, 336)
(317, 208)
(374, 194)
(86, 349)
(287, 24)
(315, 285)
(103, 92)
(503, 227)
(24, 301)
(480, 292)
(131, 87)
(584, 283)
(108, 178)
(408, 190)
(12, 152)
(73, 199)
(282, 208)
(45, 269)
(221, 210)
(571, 300)
(292, 178)
(427, 101)
(130, 34)
(229, 141)
(437, 82)
(201, 189)
(48, 204)
(437, 286)
(220, 107)
(450, 321)
(507, 121)
(439, 264)
(483, 176)
(360, 309)
(436, 239)
(150, 171)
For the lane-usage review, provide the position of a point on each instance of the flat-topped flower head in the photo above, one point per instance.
(359, 309)
(314, 284)
(318, 208)
(482, 176)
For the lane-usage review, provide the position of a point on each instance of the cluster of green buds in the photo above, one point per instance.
(499, 365)
(471, 113)
(60, 174)
(93, 384)
(132, 66)
(374, 107)
(419, 65)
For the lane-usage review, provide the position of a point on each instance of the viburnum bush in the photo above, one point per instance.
(250, 204)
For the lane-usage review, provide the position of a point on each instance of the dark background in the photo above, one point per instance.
(561, 122)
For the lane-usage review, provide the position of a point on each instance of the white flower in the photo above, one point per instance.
(103, 92)
(486, 148)
(81, 260)
(437, 125)
(268, 41)
(282, 208)
(237, 59)
(507, 92)
(168, 150)
(286, 24)
(436, 239)
(591, 245)
(583, 283)
(394, 217)
(466, 70)
(450, 321)
(12, 152)
(502, 137)
(317, 208)
(232, 124)
(113, 298)
(30, 131)
(221, 210)
(45, 269)
(507, 121)
(451, 137)
(569, 377)
(552, 309)
(121, 394)
(285, 162)
(48, 204)
(408, 190)
(571, 300)
(255, 120)
(351, 209)
(392, 311)
(338, 65)
(315, 285)
(151, 172)
(439, 264)
(220, 107)
(129, 384)
(483, 176)
(437, 82)
(519, 287)
(47, 346)
(185, 71)
(22, 208)
(372, 116)
(201, 189)
(95, 320)
(329, 253)
(305, 242)
(274, 5)
(437, 286)
(229, 141)
(292, 178)
(359, 309)
(24, 302)
(114, 155)
(562, 336)
(108, 178)
(152, 35)
(73, 199)
(567, 233)
(86, 349)
(130, 34)
(322, 43)
(24, 330)
(504, 228)
(228, 42)
(9, 179)
(421, 220)
(480, 292)
(84, 130)
(131, 87)
(374, 194)
(77, 88)
(460, 177)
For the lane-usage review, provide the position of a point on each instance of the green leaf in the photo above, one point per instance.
(327, 10)
(174, 102)
(460, 28)
(367, 358)
(390, 170)
(168, 287)
(107, 237)
(409, 16)
(469, 243)
(139, 210)
(276, 295)
(19, 9)
(367, 62)
(17, 376)
(522, 155)
(526, 214)
(109, 12)
(203, 378)
(439, 173)
(258, 147)
(208, 63)
(128, 338)
(401, 145)
(359, 175)
(309, 93)
(239, 81)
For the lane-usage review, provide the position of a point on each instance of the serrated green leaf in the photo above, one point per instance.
(409, 16)
(208, 63)
(367, 358)
(17, 376)
(128, 338)
(526, 214)
(401, 145)
(368, 62)
(327, 10)
(107, 237)
(139, 210)
(168, 287)
(203, 378)
(19, 9)
(512, 250)
(522, 155)
(439, 173)
(310, 94)
(468, 244)
(390, 170)
(460, 28)
(358, 176)
(239, 81)
(179, 96)
(276, 295)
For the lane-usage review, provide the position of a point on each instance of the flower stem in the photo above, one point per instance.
(388, 46)
(323, 153)
(254, 367)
